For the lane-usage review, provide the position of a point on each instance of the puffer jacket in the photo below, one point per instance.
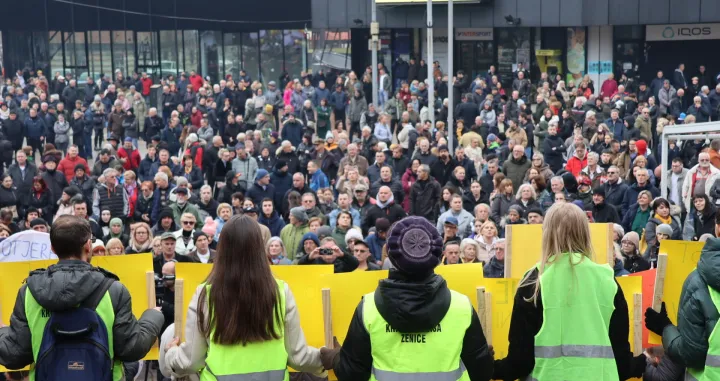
(697, 315)
(411, 306)
(65, 285)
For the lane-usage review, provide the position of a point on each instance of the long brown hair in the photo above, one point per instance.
(243, 304)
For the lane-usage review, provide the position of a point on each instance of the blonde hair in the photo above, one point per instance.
(565, 230)
(113, 243)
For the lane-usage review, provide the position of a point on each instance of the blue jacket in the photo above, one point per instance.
(282, 182)
(157, 207)
(35, 127)
(617, 127)
(145, 170)
(632, 192)
(338, 101)
(319, 95)
(274, 223)
(172, 138)
(376, 244)
(319, 181)
(293, 132)
(257, 193)
(332, 217)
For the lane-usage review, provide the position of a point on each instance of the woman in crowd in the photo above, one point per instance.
(705, 217)
(446, 196)
(223, 337)
(276, 253)
(486, 236)
(191, 172)
(131, 189)
(630, 250)
(344, 223)
(64, 204)
(117, 230)
(98, 248)
(469, 250)
(408, 179)
(40, 198)
(141, 239)
(114, 247)
(526, 198)
(500, 204)
(661, 215)
(568, 285)
(8, 194)
(636, 218)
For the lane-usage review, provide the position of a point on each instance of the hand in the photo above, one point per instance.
(657, 321)
(174, 343)
(329, 355)
(315, 253)
(337, 252)
(158, 309)
(491, 350)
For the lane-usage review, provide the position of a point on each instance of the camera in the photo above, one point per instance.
(325, 251)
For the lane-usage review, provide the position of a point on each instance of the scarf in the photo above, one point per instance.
(666, 220)
(383, 205)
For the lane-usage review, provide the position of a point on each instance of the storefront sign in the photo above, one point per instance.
(474, 34)
(606, 67)
(680, 32)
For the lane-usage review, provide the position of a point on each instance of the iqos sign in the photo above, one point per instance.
(680, 32)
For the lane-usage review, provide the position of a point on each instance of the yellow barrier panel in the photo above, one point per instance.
(525, 247)
(631, 285)
(304, 282)
(131, 270)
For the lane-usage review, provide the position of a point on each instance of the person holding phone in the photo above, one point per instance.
(330, 253)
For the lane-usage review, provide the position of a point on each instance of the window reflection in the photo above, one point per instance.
(293, 41)
(210, 54)
(56, 53)
(329, 50)
(232, 62)
(250, 55)
(168, 53)
(271, 50)
(190, 50)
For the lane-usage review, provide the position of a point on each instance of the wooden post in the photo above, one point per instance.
(637, 324)
(659, 282)
(482, 308)
(150, 284)
(610, 247)
(508, 251)
(327, 317)
(488, 317)
(179, 311)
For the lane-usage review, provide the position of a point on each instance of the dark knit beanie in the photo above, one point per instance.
(414, 246)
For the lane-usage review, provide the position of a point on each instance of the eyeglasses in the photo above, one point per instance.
(188, 222)
(141, 232)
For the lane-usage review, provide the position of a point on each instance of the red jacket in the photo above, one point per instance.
(575, 165)
(195, 118)
(196, 81)
(133, 161)
(67, 166)
(609, 87)
(199, 151)
(147, 83)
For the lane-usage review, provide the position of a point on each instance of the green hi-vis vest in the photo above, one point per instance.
(419, 356)
(578, 300)
(711, 371)
(37, 318)
(264, 361)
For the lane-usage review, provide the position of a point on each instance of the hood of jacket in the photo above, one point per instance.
(709, 263)
(412, 306)
(64, 285)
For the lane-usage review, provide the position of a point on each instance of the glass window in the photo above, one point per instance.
(211, 54)
(628, 32)
(271, 49)
(232, 61)
(75, 50)
(251, 55)
(41, 50)
(168, 53)
(190, 51)
(513, 47)
(330, 50)
(294, 41)
(119, 52)
(148, 59)
(56, 53)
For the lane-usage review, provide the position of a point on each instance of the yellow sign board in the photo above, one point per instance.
(525, 247)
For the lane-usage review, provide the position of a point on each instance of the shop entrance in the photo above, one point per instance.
(474, 57)
(666, 55)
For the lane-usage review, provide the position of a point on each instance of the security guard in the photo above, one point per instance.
(570, 319)
(413, 326)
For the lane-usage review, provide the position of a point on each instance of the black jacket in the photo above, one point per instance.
(424, 197)
(526, 321)
(412, 306)
(604, 213)
(23, 185)
(553, 148)
(441, 171)
(392, 212)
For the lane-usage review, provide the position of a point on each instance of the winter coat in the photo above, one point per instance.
(632, 192)
(275, 223)
(697, 315)
(515, 170)
(553, 148)
(393, 212)
(358, 105)
(61, 132)
(499, 207)
(65, 285)
(424, 196)
(131, 127)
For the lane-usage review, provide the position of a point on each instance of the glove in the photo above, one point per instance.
(657, 321)
(329, 356)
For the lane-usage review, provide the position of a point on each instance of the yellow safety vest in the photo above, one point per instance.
(418, 356)
(265, 361)
(711, 372)
(578, 300)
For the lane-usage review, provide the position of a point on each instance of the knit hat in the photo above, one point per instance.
(491, 137)
(280, 164)
(98, 244)
(382, 224)
(37, 221)
(261, 173)
(630, 120)
(79, 166)
(166, 212)
(414, 246)
(516, 208)
(353, 234)
(97, 98)
(48, 158)
(269, 109)
(209, 227)
(641, 146)
(324, 231)
(600, 191)
(329, 135)
(71, 191)
(664, 229)
(198, 235)
(299, 213)
(633, 238)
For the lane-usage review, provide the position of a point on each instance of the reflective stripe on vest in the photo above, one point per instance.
(577, 300)
(711, 372)
(260, 361)
(453, 375)
(418, 356)
(271, 375)
(37, 319)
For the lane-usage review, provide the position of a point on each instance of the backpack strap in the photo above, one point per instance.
(94, 299)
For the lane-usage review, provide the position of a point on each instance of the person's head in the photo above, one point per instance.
(451, 253)
(644, 198)
(498, 249)
(663, 232)
(114, 247)
(384, 194)
(242, 277)
(526, 193)
(308, 201)
(141, 235)
(661, 207)
(630, 244)
(275, 248)
(642, 176)
(386, 174)
(188, 221)
(344, 220)
(704, 160)
(70, 238)
(700, 202)
(518, 152)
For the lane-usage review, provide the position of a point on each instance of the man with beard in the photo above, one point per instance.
(516, 167)
(111, 196)
(54, 179)
(443, 168)
(424, 195)
(387, 179)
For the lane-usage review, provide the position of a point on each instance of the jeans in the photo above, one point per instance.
(382, 98)
(87, 147)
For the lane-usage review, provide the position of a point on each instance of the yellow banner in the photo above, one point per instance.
(129, 268)
(526, 247)
(682, 259)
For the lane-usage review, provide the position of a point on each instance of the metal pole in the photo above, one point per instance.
(374, 31)
(451, 106)
(663, 169)
(431, 80)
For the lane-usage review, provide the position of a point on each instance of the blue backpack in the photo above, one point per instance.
(75, 344)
